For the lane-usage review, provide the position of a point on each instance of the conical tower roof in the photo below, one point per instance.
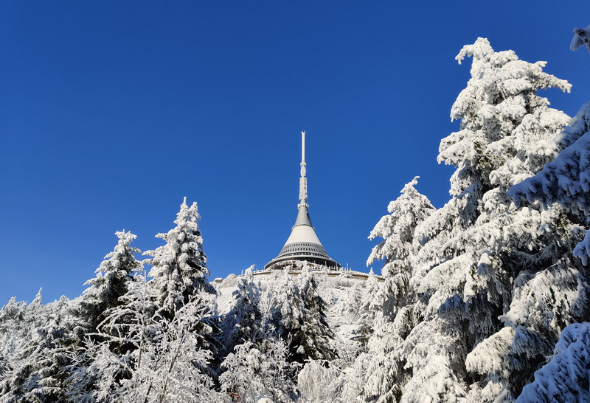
(303, 244)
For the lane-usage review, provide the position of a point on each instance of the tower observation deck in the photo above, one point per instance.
(303, 245)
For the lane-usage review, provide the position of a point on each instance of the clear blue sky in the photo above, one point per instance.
(112, 111)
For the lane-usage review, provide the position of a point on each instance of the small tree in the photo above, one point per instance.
(315, 336)
(19, 322)
(244, 321)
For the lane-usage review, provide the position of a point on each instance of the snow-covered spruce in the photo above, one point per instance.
(34, 371)
(255, 371)
(244, 321)
(381, 367)
(398, 247)
(566, 179)
(101, 372)
(110, 283)
(297, 315)
(471, 249)
(179, 268)
(566, 377)
(154, 344)
(86, 370)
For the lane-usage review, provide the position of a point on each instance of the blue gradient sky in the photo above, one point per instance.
(112, 111)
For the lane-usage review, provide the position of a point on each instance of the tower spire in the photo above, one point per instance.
(303, 244)
(303, 179)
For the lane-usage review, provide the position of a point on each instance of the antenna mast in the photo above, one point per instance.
(303, 179)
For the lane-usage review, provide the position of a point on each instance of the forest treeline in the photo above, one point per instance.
(483, 300)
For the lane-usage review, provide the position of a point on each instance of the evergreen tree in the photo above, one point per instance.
(368, 306)
(467, 281)
(180, 349)
(180, 266)
(298, 317)
(174, 364)
(314, 335)
(380, 367)
(18, 322)
(38, 369)
(469, 250)
(88, 350)
(110, 283)
(398, 246)
(566, 377)
(244, 321)
(253, 371)
(102, 371)
(549, 300)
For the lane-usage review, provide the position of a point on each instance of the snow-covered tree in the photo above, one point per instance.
(566, 179)
(37, 370)
(505, 126)
(174, 363)
(18, 322)
(469, 250)
(153, 343)
(547, 301)
(256, 371)
(566, 377)
(297, 314)
(314, 336)
(380, 367)
(110, 283)
(244, 321)
(90, 351)
(179, 268)
(398, 246)
(368, 306)
(101, 371)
